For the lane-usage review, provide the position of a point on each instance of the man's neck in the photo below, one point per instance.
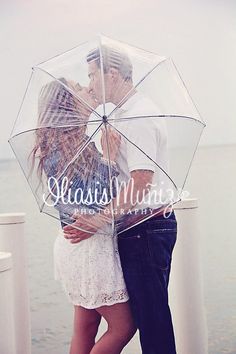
(122, 92)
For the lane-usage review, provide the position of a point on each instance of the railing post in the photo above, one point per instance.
(12, 240)
(7, 329)
(186, 283)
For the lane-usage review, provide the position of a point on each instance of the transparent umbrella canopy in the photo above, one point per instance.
(106, 129)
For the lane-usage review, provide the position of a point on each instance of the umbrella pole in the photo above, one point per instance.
(12, 240)
(186, 283)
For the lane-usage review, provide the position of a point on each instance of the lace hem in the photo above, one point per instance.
(93, 302)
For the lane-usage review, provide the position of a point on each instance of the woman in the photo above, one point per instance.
(90, 271)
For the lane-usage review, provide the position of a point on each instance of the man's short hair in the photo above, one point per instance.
(112, 58)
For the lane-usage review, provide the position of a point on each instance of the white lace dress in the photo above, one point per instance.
(90, 271)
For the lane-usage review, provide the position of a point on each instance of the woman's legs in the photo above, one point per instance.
(86, 323)
(120, 330)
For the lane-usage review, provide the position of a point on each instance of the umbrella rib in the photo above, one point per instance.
(159, 116)
(22, 101)
(192, 159)
(144, 219)
(50, 126)
(74, 158)
(126, 97)
(187, 90)
(58, 55)
(110, 178)
(64, 221)
(102, 75)
(69, 90)
(133, 46)
(145, 154)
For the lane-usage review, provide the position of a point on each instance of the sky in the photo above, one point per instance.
(200, 37)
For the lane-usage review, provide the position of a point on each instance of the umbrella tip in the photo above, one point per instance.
(104, 118)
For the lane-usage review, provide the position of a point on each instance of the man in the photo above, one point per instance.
(145, 249)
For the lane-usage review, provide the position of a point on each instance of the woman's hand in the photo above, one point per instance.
(110, 141)
(85, 226)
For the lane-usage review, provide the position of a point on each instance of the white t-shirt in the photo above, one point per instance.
(150, 135)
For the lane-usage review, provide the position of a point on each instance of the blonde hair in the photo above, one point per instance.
(60, 128)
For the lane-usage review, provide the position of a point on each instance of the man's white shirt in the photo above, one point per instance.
(144, 145)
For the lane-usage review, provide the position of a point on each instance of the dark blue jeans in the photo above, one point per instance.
(146, 253)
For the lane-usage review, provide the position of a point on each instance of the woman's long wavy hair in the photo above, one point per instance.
(60, 128)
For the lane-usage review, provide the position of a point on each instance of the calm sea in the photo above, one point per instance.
(212, 181)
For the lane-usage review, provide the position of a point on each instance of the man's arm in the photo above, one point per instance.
(128, 197)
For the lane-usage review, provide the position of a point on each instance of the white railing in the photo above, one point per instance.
(185, 288)
(186, 282)
(7, 337)
(16, 291)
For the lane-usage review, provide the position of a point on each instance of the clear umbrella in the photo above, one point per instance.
(106, 129)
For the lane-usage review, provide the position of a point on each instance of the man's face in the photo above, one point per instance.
(95, 84)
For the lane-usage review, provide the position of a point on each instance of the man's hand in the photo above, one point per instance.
(84, 227)
(110, 141)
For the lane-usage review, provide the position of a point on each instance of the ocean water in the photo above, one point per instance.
(211, 180)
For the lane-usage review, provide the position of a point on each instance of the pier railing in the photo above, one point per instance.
(14, 298)
(185, 288)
